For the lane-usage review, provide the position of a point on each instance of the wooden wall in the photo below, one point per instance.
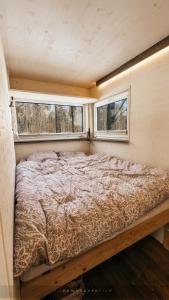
(149, 112)
(7, 184)
(47, 87)
(22, 150)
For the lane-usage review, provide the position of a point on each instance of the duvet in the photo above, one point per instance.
(67, 204)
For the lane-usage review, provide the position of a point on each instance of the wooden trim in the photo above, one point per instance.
(145, 54)
(66, 272)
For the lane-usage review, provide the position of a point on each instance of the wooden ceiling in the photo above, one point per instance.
(78, 41)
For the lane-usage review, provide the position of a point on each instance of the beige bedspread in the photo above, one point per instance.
(66, 205)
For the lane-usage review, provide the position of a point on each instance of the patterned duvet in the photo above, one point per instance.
(67, 204)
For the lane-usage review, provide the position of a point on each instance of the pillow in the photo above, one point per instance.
(41, 156)
(64, 154)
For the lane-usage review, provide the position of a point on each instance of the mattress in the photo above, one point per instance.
(66, 204)
(34, 272)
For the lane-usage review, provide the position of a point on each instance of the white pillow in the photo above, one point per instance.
(41, 156)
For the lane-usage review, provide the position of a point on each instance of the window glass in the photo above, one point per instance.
(112, 116)
(77, 118)
(63, 118)
(35, 118)
(69, 118)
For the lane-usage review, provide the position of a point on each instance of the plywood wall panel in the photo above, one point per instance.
(149, 113)
(4, 280)
(7, 177)
(47, 87)
(25, 149)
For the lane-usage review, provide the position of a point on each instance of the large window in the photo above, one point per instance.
(53, 119)
(35, 118)
(111, 117)
(43, 117)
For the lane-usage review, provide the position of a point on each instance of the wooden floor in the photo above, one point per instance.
(139, 272)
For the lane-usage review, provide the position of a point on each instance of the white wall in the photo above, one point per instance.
(7, 184)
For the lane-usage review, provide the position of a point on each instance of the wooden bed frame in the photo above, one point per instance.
(48, 282)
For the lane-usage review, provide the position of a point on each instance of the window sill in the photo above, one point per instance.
(66, 139)
(48, 140)
(110, 140)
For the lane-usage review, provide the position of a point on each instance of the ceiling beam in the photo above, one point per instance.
(145, 54)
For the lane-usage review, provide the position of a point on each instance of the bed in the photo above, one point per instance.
(74, 211)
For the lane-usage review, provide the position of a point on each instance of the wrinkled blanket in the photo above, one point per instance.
(66, 205)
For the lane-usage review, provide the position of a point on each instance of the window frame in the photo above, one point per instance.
(37, 98)
(121, 135)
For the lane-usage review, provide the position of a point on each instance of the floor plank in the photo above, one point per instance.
(139, 272)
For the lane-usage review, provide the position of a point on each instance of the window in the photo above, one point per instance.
(38, 116)
(69, 118)
(52, 119)
(33, 118)
(111, 117)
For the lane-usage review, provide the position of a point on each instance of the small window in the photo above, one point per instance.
(111, 117)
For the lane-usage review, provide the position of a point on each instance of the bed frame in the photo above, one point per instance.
(48, 282)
